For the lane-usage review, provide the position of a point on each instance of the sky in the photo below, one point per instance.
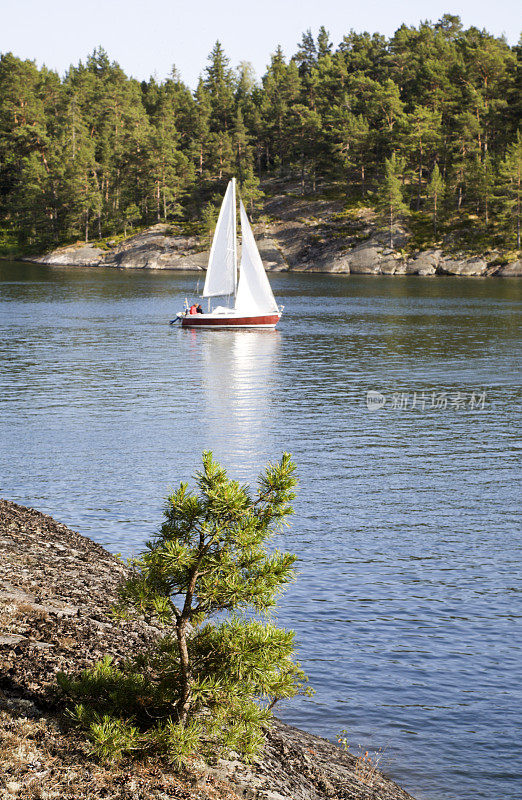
(148, 38)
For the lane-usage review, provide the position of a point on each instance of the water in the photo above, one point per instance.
(407, 608)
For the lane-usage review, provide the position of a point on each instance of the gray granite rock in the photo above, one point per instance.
(388, 265)
(365, 259)
(78, 256)
(513, 270)
(155, 249)
(466, 266)
(425, 263)
(271, 254)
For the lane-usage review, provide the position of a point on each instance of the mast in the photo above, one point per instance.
(235, 235)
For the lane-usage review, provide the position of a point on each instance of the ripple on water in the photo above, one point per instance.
(407, 608)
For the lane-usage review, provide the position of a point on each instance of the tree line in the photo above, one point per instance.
(426, 123)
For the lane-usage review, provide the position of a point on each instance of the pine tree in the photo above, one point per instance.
(219, 83)
(480, 184)
(306, 54)
(169, 170)
(202, 131)
(304, 126)
(351, 140)
(281, 89)
(207, 687)
(510, 187)
(324, 46)
(390, 198)
(250, 190)
(241, 146)
(435, 192)
(209, 215)
(421, 142)
(25, 146)
(364, 54)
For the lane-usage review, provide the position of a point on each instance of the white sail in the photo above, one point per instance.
(221, 275)
(254, 295)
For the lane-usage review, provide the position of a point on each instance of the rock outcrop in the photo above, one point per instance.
(80, 255)
(513, 270)
(463, 266)
(299, 236)
(156, 249)
(425, 263)
(56, 593)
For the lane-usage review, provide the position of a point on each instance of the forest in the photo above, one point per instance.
(424, 126)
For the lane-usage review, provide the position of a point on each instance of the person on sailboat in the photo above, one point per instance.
(199, 309)
(193, 309)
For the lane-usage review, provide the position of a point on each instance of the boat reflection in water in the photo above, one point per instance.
(238, 386)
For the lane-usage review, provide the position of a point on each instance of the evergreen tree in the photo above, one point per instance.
(364, 54)
(250, 190)
(241, 146)
(79, 190)
(390, 199)
(209, 215)
(202, 131)
(324, 46)
(510, 187)
(480, 184)
(435, 192)
(207, 687)
(179, 101)
(305, 127)
(351, 141)
(219, 83)
(421, 140)
(25, 179)
(306, 54)
(169, 169)
(281, 88)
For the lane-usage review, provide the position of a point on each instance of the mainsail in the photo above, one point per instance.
(221, 278)
(254, 295)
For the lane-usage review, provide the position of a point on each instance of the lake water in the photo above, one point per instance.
(408, 604)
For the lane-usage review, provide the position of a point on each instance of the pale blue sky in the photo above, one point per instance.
(147, 38)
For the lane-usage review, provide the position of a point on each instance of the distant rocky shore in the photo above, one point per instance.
(296, 236)
(56, 593)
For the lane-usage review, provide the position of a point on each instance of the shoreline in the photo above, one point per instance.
(296, 235)
(56, 592)
(194, 270)
(422, 264)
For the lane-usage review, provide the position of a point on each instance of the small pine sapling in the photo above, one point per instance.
(207, 687)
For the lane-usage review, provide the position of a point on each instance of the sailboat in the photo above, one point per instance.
(254, 305)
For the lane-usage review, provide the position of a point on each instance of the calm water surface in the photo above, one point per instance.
(408, 605)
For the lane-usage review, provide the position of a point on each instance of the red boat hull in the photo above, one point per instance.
(216, 321)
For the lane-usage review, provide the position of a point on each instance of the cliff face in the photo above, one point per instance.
(56, 593)
(300, 235)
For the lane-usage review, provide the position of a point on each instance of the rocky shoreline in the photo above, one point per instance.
(296, 236)
(56, 593)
